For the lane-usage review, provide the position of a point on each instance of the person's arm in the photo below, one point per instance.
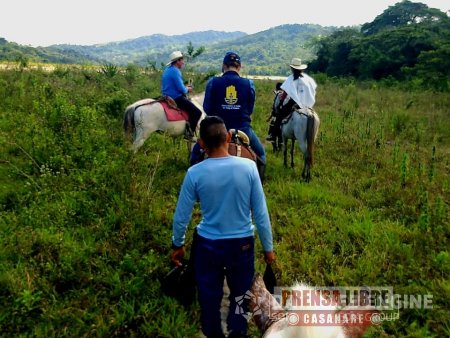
(252, 95)
(208, 97)
(181, 218)
(261, 216)
(178, 81)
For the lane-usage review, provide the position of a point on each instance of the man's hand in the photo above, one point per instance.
(190, 88)
(269, 257)
(177, 255)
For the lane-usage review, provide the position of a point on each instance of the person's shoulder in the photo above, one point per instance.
(243, 161)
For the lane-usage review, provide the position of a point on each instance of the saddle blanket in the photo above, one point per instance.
(174, 114)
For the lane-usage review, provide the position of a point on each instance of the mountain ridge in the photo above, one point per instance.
(285, 41)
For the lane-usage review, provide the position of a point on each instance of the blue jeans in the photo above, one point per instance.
(214, 260)
(255, 143)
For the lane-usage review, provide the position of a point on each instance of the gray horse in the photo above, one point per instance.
(301, 125)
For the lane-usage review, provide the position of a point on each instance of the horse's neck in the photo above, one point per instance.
(198, 99)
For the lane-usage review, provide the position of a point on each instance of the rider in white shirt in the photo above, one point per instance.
(299, 91)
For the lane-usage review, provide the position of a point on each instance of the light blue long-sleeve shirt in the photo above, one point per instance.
(230, 194)
(172, 82)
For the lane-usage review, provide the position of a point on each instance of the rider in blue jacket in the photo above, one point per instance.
(173, 86)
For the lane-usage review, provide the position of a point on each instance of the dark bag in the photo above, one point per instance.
(269, 279)
(180, 283)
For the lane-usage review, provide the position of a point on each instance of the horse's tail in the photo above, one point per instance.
(310, 137)
(128, 120)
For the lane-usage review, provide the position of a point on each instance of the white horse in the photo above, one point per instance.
(142, 119)
(273, 321)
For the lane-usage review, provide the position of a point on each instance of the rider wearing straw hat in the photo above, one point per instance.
(173, 86)
(299, 92)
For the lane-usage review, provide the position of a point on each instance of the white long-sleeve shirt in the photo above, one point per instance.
(301, 90)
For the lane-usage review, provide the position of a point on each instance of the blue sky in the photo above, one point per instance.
(87, 22)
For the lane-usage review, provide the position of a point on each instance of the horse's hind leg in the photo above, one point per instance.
(292, 153)
(306, 173)
(303, 148)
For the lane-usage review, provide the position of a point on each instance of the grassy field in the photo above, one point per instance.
(85, 225)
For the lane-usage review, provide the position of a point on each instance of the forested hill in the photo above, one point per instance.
(269, 51)
(153, 48)
(265, 52)
(11, 51)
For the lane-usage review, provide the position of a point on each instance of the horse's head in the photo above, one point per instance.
(263, 305)
(277, 322)
(197, 100)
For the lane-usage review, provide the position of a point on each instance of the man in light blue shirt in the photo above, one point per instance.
(231, 195)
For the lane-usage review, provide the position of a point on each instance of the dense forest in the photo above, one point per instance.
(408, 41)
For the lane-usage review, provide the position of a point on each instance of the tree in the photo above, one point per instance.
(433, 68)
(192, 53)
(402, 14)
(334, 51)
(405, 35)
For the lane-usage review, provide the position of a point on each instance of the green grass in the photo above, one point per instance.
(85, 225)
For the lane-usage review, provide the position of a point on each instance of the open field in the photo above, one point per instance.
(85, 225)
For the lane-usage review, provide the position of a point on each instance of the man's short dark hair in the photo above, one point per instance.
(213, 132)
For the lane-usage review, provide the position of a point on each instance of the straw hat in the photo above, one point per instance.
(296, 63)
(174, 57)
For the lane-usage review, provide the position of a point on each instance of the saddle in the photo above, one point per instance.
(308, 112)
(240, 145)
(173, 113)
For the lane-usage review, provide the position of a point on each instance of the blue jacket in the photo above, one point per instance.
(232, 98)
(172, 82)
